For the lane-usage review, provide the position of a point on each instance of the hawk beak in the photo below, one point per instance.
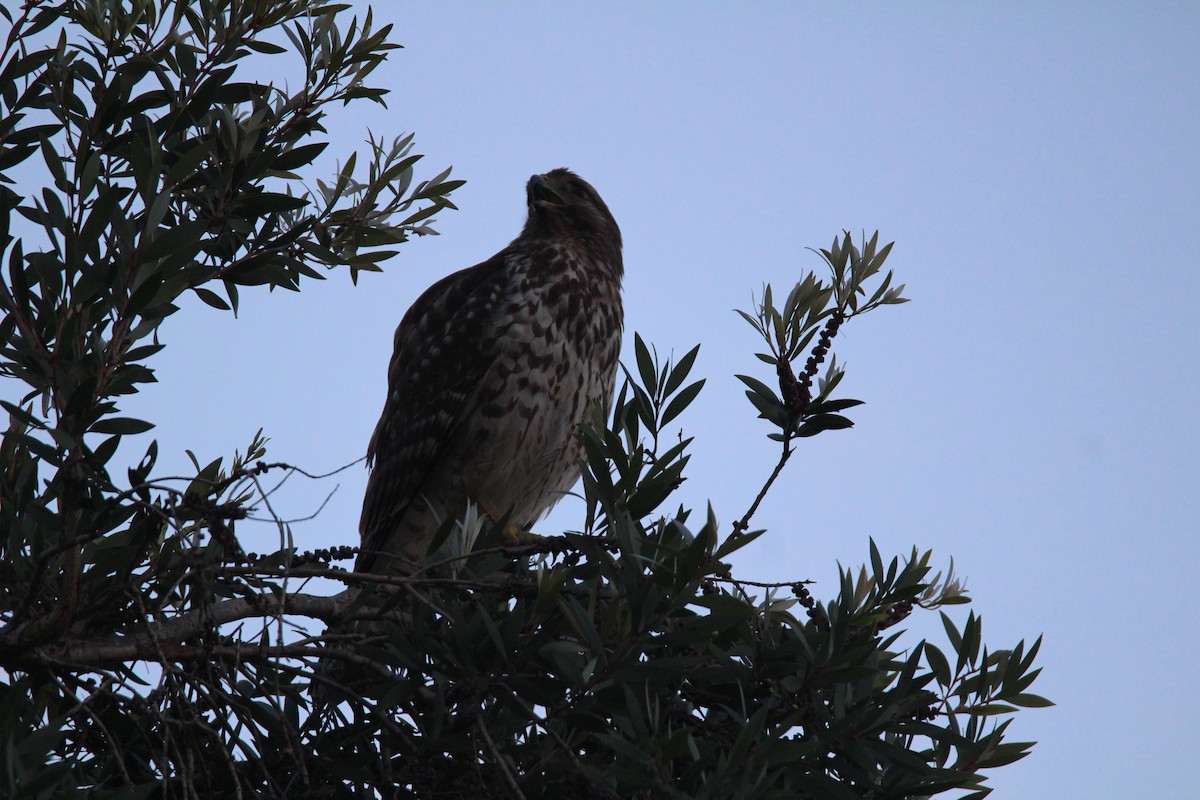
(542, 194)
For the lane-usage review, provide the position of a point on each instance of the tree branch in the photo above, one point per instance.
(741, 525)
(163, 638)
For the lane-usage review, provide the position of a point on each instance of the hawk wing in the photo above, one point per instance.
(444, 345)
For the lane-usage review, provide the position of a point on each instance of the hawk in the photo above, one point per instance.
(493, 369)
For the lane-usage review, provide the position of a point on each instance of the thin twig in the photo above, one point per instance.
(544, 724)
(84, 705)
(508, 776)
(741, 525)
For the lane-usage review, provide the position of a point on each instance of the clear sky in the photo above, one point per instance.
(1032, 413)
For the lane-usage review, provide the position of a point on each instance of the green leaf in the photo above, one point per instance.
(680, 370)
(24, 415)
(121, 425)
(736, 542)
(106, 449)
(184, 238)
(824, 422)
(759, 388)
(274, 201)
(298, 156)
(681, 401)
(34, 134)
(645, 364)
(938, 664)
(951, 632)
(968, 650)
(211, 298)
(828, 406)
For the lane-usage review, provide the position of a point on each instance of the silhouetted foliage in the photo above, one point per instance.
(143, 653)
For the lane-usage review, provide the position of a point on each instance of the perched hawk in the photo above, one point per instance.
(494, 367)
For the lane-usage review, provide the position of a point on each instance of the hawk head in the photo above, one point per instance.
(564, 205)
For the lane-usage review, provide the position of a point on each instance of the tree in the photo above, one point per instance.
(144, 653)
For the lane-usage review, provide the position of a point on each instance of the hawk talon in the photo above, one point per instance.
(514, 535)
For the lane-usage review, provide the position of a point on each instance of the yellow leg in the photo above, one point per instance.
(515, 535)
(512, 534)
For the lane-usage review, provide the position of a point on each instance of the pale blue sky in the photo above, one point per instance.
(1031, 413)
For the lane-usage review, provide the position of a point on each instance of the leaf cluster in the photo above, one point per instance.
(627, 470)
(144, 653)
(164, 174)
(631, 661)
(816, 310)
(145, 156)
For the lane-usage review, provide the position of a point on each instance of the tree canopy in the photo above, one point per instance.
(145, 653)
